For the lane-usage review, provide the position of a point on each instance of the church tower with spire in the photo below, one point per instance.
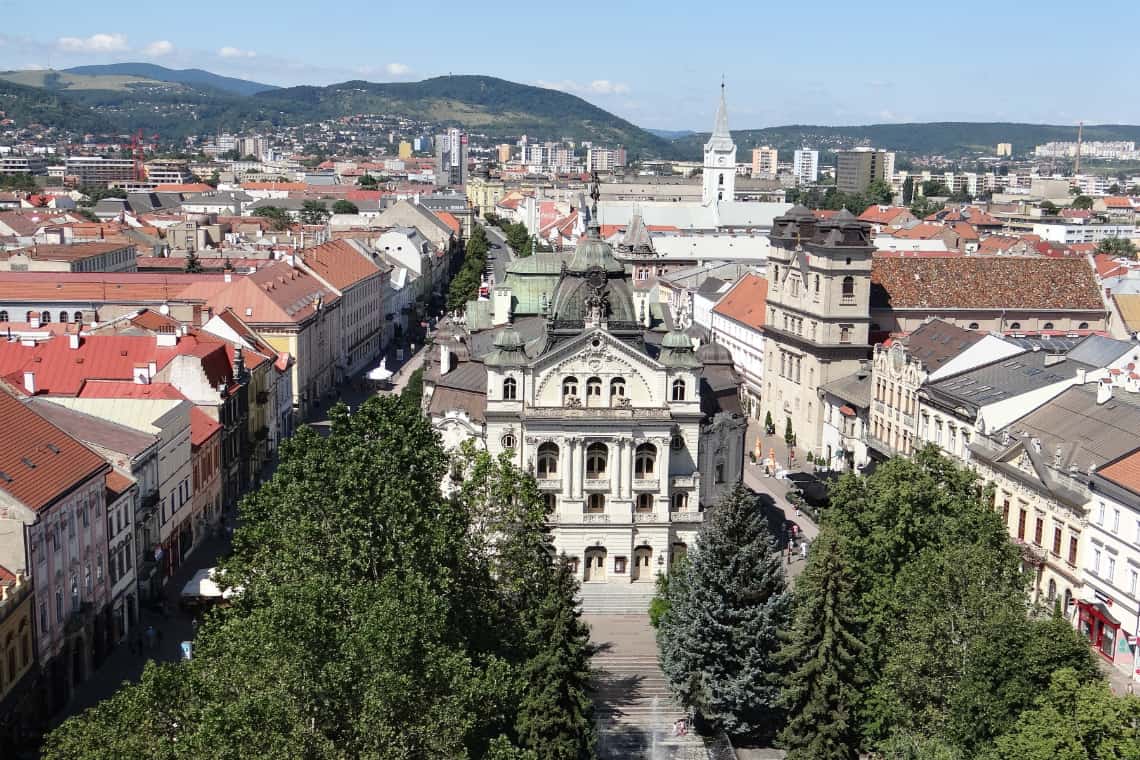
(720, 159)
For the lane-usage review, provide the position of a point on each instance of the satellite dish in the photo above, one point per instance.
(164, 310)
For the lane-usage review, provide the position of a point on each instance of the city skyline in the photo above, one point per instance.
(780, 68)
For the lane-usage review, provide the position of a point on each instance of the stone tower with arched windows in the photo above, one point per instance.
(720, 159)
(816, 328)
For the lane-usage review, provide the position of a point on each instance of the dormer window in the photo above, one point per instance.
(678, 390)
(510, 389)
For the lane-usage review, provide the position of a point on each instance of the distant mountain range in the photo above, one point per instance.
(120, 98)
(195, 77)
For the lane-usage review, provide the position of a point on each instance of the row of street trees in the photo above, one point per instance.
(465, 284)
(376, 618)
(910, 635)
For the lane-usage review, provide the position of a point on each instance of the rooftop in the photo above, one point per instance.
(1005, 378)
(746, 302)
(38, 460)
(936, 342)
(984, 282)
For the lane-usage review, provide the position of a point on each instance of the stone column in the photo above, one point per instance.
(619, 467)
(662, 445)
(576, 462)
(630, 448)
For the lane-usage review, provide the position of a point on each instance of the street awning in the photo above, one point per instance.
(846, 411)
(1100, 610)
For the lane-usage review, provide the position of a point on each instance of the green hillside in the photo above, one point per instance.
(488, 105)
(192, 77)
(35, 105)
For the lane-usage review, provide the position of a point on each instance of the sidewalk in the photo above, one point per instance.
(121, 665)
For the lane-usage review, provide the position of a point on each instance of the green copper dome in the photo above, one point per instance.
(594, 252)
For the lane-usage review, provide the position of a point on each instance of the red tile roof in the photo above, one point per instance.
(984, 282)
(274, 294)
(184, 187)
(883, 214)
(920, 231)
(202, 427)
(38, 461)
(1125, 471)
(64, 371)
(340, 264)
(746, 302)
(117, 484)
(449, 220)
(106, 287)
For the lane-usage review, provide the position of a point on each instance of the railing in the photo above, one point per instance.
(608, 412)
(878, 407)
(687, 516)
(596, 484)
(646, 484)
(684, 481)
(595, 517)
(647, 517)
(550, 484)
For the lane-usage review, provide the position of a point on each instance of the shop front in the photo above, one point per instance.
(1097, 624)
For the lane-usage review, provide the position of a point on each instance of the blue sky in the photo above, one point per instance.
(657, 64)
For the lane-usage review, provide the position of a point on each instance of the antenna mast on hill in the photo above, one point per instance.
(1080, 134)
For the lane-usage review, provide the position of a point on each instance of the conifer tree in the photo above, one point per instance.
(823, 652)
(555, 715)
(718, 639)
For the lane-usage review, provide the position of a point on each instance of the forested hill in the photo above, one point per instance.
(949, 139)
(483, 104)
(194, 77)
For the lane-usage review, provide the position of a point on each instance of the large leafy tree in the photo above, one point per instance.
(314, 212)
(465, 285)
(369, 621)
(278, 216)
(953, 652)
(718, 639)
(1074, 720)
(823, 651)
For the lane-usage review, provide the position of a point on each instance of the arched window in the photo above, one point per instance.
(547, 462)
(594, 387)
(595, 503)
(1083, 326)
(570, 386)
(645, 502)
(645, 461)
(550, 501)
(720, 180)
(510, 389)
(508, 440)
(720, 472)
(1047, 326)
(1052, 593)
(1015, 325)
(28, 315)
(678, 390)
(617, 388)
(3, 316)
(848, 288)
(680, 501)
(596, 456)
(677, 442)
(78, 316)
(63, 317)
(45, 317)
(973, 325)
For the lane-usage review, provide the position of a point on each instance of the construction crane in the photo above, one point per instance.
(138, 153)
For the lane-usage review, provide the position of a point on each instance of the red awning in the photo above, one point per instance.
(846, 411)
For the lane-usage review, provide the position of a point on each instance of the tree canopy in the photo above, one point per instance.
(371, 621)
(718, 638)
(465, 285)
(278, 216)
(345, 207)
(1117, 247)
(314, 212)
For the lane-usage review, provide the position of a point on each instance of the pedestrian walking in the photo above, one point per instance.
(803, 550)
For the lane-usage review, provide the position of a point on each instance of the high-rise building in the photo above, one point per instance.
(720, 160)
(805, 166)
(504, 153)
(764, 161)
(405, 150)
(604, 159)
(451, 158)
(1004, 149)
(856, 169)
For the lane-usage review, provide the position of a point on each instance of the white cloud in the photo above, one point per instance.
(233, 52)
(96, 43)
(398, 69)
(596, 87)
(158, 48)
(606, 87)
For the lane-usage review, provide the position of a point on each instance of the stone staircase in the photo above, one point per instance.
(616, 598)
(633, 708)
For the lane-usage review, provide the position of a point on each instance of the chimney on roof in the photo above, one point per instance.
(1082, 376)
(34, 320)
(1036, 445)
(166, 339)
(239, 364)
(73, 340)
(1103, 392)
(30, 382)
(444, 359)
(151, 369)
